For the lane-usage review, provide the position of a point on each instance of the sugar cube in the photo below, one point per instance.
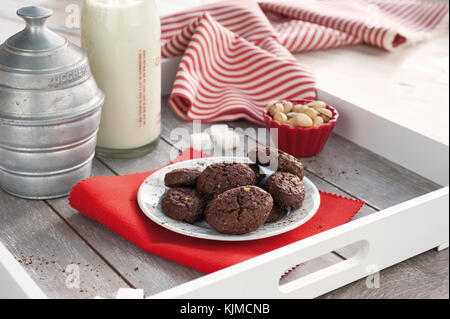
(129, 293)
(201, 141)
(217, 130)
(228, 140)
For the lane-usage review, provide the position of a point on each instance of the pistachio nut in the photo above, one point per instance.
(280, 117)
(316, 104)
(298, 108)
(317, 121)
(287, 106)
(310, 112)
(302, 120)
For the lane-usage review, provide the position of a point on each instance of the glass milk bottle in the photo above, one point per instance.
(122, 40)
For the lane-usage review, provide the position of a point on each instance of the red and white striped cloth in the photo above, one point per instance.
(236, 55)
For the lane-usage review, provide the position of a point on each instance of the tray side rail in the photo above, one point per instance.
(406, 147)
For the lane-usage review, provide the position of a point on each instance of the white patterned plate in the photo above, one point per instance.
(153, 188)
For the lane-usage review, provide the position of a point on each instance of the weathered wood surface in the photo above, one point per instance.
(46, 236)
(45, 245)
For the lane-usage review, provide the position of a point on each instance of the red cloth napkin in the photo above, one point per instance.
(112, 202)
(236, 54)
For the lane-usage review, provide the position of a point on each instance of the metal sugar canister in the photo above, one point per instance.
(50, 109)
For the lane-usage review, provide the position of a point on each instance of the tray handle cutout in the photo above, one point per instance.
(326, 267)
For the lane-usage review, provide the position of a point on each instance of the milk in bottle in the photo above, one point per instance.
(122, 40)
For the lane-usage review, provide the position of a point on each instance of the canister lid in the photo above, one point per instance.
(44, 78)
(35, 36)
(36, 48)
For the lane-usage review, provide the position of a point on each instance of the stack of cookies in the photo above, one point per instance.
(230, 197)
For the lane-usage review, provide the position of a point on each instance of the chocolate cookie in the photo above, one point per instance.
(286, 189)
(183, 203)
(256, 170)
(239, 210)
(182, 177)
(276, 214)
(286, 162)
(220, 177)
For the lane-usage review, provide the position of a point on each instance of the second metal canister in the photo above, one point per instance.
(50, 109)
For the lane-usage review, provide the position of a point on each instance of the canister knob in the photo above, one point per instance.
(34, 16)
(36, 36)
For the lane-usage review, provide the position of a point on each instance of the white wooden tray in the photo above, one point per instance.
(380, 240)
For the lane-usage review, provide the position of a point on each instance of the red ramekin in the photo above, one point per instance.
(300, 141)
